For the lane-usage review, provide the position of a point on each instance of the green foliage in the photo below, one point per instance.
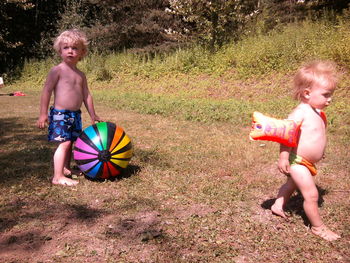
(147, 27)
(214, 21)
(282, 50)
(35, 71)
(133, 81)
(194, 168)
(23, 24)
(73, 16)
(131, 24)
(11, 40)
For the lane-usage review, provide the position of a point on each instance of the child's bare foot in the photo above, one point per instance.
(325, 233)
(64, 181)
(278, 211)
(74, 171)
(67, 172)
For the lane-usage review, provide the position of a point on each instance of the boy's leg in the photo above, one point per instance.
(67, 170)
(59, 159)
(305, 183)
(283, 196)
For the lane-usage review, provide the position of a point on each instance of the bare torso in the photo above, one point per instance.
(69, 88)
(312, 141)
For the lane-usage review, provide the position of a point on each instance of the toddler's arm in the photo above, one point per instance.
(283, 162)
(49, 86)
(89, 104)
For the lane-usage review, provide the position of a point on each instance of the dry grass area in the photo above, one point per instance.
(193, 193)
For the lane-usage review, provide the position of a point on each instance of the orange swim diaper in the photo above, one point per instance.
(296, 159)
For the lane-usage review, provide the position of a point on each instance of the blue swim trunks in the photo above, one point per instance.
(64, 125)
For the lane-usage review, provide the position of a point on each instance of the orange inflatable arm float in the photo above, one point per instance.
(271, 129)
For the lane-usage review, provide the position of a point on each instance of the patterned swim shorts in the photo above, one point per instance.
(64, 125)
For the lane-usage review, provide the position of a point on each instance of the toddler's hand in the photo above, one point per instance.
(95, 119)
(284, 166)
(41, 122)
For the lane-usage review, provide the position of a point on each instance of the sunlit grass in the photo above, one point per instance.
(199, 190)
(281, 50)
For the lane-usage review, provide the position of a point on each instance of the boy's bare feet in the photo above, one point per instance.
(74, 171)
(278, 211)
(64, 181)
(325, 233)
(67, 172)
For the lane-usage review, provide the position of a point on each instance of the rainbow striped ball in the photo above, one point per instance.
(102, 150)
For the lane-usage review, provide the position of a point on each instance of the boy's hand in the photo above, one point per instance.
(284, 166)
(95, 119)
(41, 122)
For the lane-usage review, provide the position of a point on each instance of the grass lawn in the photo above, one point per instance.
(194, 192)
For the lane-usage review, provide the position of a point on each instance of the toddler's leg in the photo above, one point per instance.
(283, 196)
(59, 163)
(305, 183)
(67, 170)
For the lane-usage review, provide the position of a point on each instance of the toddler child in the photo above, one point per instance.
(314, 85)
(70, 89)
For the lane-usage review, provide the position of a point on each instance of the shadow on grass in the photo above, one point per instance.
(25, 154)
(295, 204)
(143, 228)
(83, 213)
(27, 241)
(131, 170)
(24, 151)
(16, 213)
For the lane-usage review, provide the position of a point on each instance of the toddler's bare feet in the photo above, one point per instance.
(64, 181)
(67, 172)
(278, 211)
(325, 233)
(74, 171)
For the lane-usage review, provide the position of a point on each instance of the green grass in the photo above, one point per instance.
(197, 189)
(256, 55)
(193, 84)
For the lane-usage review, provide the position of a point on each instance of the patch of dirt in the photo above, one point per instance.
(194, 210)
(211, 204)
(142, 227)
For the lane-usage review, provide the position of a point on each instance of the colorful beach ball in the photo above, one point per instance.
(102, 150)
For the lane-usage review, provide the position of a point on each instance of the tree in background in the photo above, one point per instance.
(10, 37)
(274, 13)
(214, 22)
(70, 14)
(133, 24)
(28, 26)
(22, 23)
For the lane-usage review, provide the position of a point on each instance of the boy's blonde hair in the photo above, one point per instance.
(71, 36)
(315, 72)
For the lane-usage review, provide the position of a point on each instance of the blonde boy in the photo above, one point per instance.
(314, 85)
(70, 89)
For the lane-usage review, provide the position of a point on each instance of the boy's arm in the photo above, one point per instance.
(49, 86)
(88, 102)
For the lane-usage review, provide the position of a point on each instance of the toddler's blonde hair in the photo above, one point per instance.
(315, 72)
(71, 36)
